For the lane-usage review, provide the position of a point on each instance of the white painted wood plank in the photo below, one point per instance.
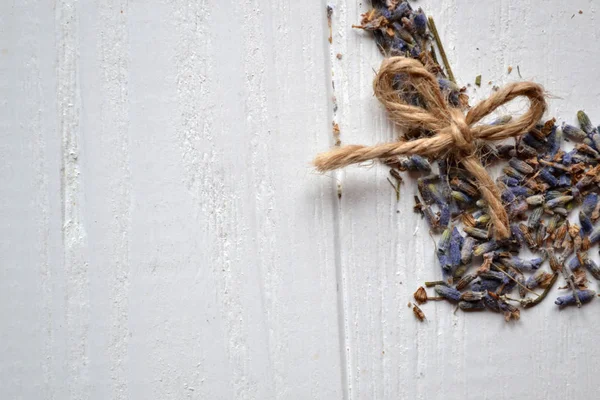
(32, 333)
(386, 252)
(165, 236)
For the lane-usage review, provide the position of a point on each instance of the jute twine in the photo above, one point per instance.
(455, 134)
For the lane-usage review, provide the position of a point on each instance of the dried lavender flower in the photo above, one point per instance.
(585, 296)
(447, 292)
(573, 133)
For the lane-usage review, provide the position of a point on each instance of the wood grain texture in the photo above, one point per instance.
(165, 237)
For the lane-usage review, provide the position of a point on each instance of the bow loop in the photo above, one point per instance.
(453, 132)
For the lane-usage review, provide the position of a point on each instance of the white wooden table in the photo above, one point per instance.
(164, 235)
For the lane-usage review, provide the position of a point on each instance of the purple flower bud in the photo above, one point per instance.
(508, 196)
(486, 247)
(420, 21)
(584, 122)
(585, 296)
(456, 241)
(554, 141)
(533, 264)
(491, 303)
(547, 177)
(564, 180)
(465, 281)
(586, 223)
(402, 10)
(535, 217)
(568, 157)
(593, 268)
(525, 151)
(471, 296)
(535, 200)
(476, 233)
(521, 191)
(595, 140)
(532, 141)
(466, 253)
(513, 173)
(558, 201)
(595, 235)
(553, 194)
(536, 279)
(493, 275)
(420, 163)
(520, 166)
(444, 215)
(447, 292)
(461, 197)
(517, 234)
(589, 204)
(573, 263)
(508, 181)
(485, 285)
(444, 243)
(573, 133)
(471, 306)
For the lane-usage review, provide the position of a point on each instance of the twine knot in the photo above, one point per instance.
(454, 133)
(461, 134)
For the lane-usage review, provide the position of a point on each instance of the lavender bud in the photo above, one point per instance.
(491, 302)
(546, 176)
(485, 248)
(517, 234)
(444, 243)
(554, 141)
(464, 281)
(520, 191)
(536, 279)
(584, 122)
(573, 133)
(586, 223)
(589, 204)
(513, 173)
(520, 166)
(535, 200)
(508, 181)
(420, 21)
(568, 157)
(461, 197)
(573, 263)
(595, 140)
(445, 216)
(485, 285)
(559, 201)
(471, 306)
(447, 292)
(466, 254)
(593, 268)
(585, 296)
(564, 180)
(476, 233)
(595, 235)
(471, 296)
(532, 141)
(535, 217)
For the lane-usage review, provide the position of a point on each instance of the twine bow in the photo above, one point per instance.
(455, 133)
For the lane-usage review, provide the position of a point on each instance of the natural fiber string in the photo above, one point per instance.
(455, 133)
